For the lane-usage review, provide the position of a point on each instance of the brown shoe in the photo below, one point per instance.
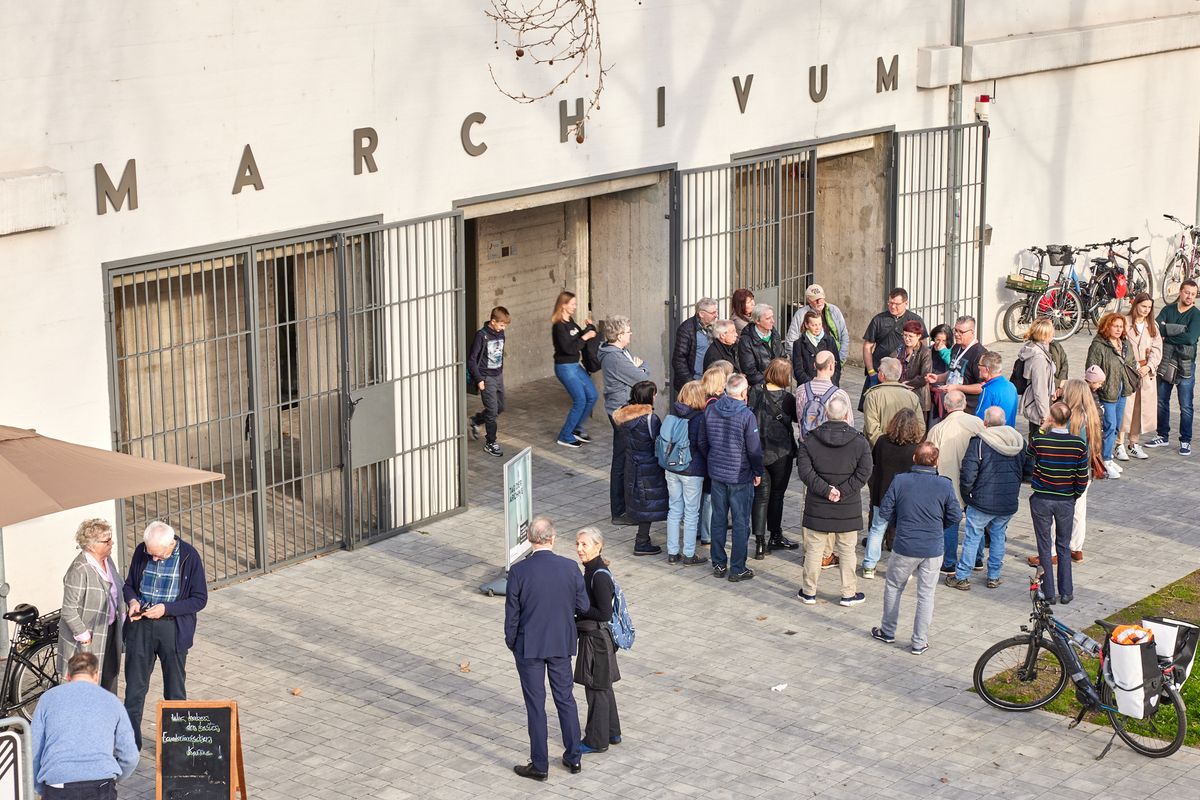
(830, 561)
(1077, 555)
(1034, 561)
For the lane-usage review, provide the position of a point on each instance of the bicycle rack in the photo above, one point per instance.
(16, 767)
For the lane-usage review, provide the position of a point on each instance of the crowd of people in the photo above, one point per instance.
(939, 452)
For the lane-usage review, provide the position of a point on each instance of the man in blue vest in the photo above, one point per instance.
(544, 593)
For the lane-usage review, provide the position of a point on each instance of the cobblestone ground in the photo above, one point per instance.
(405, 689)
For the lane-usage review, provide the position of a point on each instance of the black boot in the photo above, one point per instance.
(781, 542)
(760, 548)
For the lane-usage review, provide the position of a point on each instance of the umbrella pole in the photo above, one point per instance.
(3, 599)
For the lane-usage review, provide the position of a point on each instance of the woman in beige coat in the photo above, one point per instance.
(1141, 409)
(93, 607)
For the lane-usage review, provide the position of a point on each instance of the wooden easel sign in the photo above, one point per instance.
(199, 751)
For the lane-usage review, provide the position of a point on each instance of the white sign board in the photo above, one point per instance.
(518, 505)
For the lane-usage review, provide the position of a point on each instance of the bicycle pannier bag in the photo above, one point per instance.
(621, 624)
(1133, 666)
(1175, 640)
(672, 447)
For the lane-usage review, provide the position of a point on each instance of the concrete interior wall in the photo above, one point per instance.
(525, 258)
(630, 266)
(851, 234)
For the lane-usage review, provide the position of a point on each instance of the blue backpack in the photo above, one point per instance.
(672, 447)
(621, 624)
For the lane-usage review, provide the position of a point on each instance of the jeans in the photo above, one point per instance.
(684, 491)
(900, 569)
(874, 548)
(950, 545)
(1186, 389)
(1059, 514)
(704, 529)
(1113, 413)
(493, 405)
(145, 641)
(768, 498)
(726, 498)
(979, 523)
(578, 384)
(616, 471)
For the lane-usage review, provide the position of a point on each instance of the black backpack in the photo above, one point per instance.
(1018, 376)
(774, 427)
(591, 354)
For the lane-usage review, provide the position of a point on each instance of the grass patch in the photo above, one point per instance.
(1180, 600)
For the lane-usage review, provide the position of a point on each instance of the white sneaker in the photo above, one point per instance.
(1136, 451)
(1112, 469)
(1120, 454)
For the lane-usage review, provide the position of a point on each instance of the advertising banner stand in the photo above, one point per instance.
(518, 515)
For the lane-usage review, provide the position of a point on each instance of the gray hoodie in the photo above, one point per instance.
(1039, 371)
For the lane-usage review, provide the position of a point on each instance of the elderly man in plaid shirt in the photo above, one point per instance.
(165, 589)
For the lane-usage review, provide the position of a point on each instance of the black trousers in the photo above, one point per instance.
(493, 405)
(110, 662)
(146, 641)
(767, 515)
(603, 723)
(83, 790)
(616, 472)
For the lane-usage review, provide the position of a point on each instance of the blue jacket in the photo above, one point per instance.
(921, 504)
(81, 733)
(729, 441)
(992, 469)
(999, 391)
(695, 420)
(193, 590)
(645, 487)
(543, 593)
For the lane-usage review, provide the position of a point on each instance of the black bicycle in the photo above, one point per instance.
(1136, 272)
(1030, 670)
(32, 665)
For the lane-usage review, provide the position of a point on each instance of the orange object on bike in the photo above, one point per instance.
(1132, 634)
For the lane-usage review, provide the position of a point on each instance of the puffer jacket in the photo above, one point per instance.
(754, 354)
(992, 469)
(1038, 366)
(646, 498)
(730, 442)
(833, 454)
(1115, 385)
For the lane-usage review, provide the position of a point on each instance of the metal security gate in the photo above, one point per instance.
(745, 224)
(936, 249)
(254, 361)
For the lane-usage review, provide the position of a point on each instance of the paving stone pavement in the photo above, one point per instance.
(374, 640)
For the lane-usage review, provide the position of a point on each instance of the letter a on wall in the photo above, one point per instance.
(247, 174)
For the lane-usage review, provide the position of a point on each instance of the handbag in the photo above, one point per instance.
(1168, 371)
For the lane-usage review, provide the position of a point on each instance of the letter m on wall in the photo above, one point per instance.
(125, 192)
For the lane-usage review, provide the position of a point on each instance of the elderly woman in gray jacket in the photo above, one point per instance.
(620, 370)
(1039, 370)
(93, 609)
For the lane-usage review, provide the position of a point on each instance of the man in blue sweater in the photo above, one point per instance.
(732, 450)
(997, 390)
(81, 738)
(921, 504)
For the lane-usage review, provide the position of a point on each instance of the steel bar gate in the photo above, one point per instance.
(744, 224)
(937, 219)
(320, 374)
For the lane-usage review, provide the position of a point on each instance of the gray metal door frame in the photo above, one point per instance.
(752, 218)
(937, 219)
(203, 371)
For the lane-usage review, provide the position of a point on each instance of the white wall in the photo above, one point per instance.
(183, 86)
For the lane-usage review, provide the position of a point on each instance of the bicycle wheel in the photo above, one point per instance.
(1140, 279)
(29, 685)
(1172, 277)
(1158, 735)
(1020, 674)
(1064, 308)
(1017, 319)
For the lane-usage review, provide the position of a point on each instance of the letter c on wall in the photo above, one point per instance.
(474, 118)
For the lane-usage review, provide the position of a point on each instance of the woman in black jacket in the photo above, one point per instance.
(596, 663)
(813, 339)
(645, 485)
(774, 406)
(569, 340)
(891, 456)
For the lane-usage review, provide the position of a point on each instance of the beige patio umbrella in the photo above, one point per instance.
(40, 475)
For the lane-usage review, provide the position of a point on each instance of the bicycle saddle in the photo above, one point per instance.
(1100, 261)
(22, 614)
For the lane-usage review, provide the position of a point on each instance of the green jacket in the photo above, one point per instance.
(1116, 385)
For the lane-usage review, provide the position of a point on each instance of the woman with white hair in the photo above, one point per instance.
(596, 663)
(93, 609)
(759, 344)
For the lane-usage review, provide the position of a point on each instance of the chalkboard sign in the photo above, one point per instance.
(199, 751)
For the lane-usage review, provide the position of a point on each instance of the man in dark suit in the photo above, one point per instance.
(544, 592)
